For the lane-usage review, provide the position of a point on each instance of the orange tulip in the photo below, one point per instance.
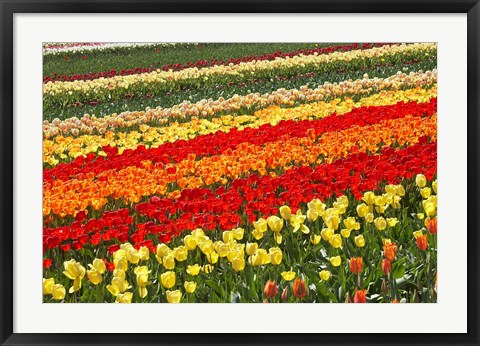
(422, 242)
(356, 265)
(386, 266)
(270, 289)
(299, 290)
(360, 296)
(390, 250)
(431, 225)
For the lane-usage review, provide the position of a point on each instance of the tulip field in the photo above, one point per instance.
(240, 173)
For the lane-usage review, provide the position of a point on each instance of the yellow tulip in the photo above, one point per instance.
(76, 272)
(206, 247)
(327, 233)
(400, 190)
(336, 261)
(288, 276)
(275, 255)
(434, 186)
(168, 279)
(251, 248)
(369, 218)
(285, 212)
(312, 215)
(278, 237)
(420, 180)
(173, 296)
(133, 256)
(345, 232)
(98, 265)
(336, 241)
(223, 250)
(380, 223)
(162, 251)
(238, 233)
(118, 286)
(362, 210)
(275, 223)
(369, 197)
(325, 275)
(190, 286)
(94, 276)
(181, 253)
(193, 269)
(212, 257)
(168, 262)
(190, 242)
(58, 292)
(48, 285)
(351, 223)
(144, 253)
(257, 234)
(121, 263)
(238, 263)
(421, 216)
(360, 241)
(119, 273)
(124, 298)
(315, 239)
(227, 236)
(426, 192)
(260, 225)
(332, 222)
(392, 221)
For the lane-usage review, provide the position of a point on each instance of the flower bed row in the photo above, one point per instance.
(64, 149)
(197, 64)
(209, 108)
(63, 93)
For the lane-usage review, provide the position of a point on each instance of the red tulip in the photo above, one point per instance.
(386, 266)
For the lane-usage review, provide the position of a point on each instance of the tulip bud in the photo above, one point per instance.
(348, 299)
(384, 286)
(285, 294)
(270, 290)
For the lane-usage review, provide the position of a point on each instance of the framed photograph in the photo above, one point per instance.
(272, 166)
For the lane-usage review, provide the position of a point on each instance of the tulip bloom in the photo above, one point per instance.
(431, 225)
(124, 298)
(47, 285)
(58, 292)
(390, 250)
(386, 266)
(270, 290)
(76, 272)
(360, 241)
(356, 265)
(422, 242)
(275, 255)
(325, 275)
(168, 279)
(190, 286)
(299, 290)
(173, 296)
(288, 276)
(193, 269)
(360, 296)
(336, 261)
(420, 180)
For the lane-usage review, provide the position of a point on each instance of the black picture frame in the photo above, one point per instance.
(9, 7)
